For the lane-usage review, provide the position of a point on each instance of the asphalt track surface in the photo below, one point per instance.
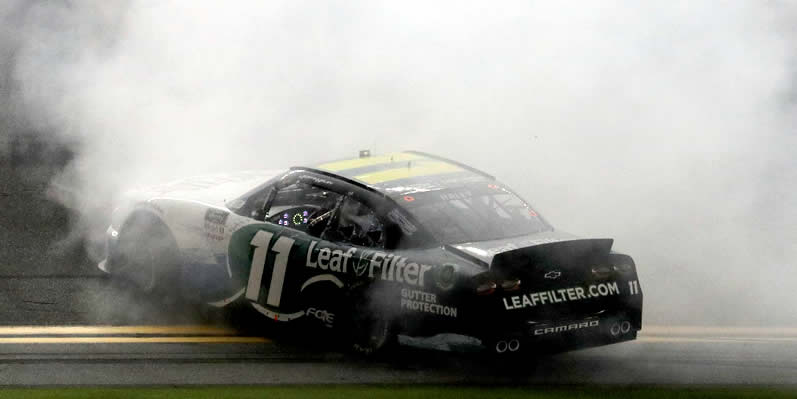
(93, 331)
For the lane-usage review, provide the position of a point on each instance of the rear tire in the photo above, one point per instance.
(371, 331)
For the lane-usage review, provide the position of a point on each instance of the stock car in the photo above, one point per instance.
(371, 247)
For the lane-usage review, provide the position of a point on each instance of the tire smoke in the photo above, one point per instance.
(666, 125)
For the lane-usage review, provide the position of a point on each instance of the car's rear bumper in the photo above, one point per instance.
(543, 332)
(553, 336)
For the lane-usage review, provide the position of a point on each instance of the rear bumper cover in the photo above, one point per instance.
(552, 336)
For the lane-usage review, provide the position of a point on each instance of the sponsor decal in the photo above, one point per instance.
(389, 267)
(323, 315)
(426, 302)
(316, 180)
(566, 327)
(326, 259)
(553, 274)
(633, 287)
(214, 224)
(376, 265)
(216, 216)
(362, 266)
(571, 294)
(258, 257)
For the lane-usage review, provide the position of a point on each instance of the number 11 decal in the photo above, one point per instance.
(633, 286)
(282, 248)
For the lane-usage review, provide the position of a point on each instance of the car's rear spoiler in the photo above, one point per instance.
(562, 253)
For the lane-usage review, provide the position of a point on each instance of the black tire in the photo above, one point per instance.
(371, 330)
(147, 255)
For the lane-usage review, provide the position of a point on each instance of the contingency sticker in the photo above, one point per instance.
(425, 302)
(571, 294)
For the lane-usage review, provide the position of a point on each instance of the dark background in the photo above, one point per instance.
(34, 227)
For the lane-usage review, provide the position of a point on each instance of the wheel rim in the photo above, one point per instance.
(370, 333)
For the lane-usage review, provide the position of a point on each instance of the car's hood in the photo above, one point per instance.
(485, 251)
(212, 189)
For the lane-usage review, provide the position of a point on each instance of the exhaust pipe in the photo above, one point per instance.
(501, 346)
(513, 345)
(625, 327)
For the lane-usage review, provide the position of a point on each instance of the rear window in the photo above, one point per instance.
(476, 213)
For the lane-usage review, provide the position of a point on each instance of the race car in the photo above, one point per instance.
(376, 246)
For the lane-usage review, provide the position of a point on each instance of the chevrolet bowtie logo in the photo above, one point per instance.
(553, 274)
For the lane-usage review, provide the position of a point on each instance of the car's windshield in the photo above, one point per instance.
(479, 212)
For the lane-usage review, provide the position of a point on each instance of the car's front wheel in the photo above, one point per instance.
(147, 254)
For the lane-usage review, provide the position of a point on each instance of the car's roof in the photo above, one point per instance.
(403, 173)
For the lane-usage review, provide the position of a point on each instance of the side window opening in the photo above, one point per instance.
(474, 213)
(303, 207)
(259, 203)
(355, 223)
(252, 204)
(327, 215)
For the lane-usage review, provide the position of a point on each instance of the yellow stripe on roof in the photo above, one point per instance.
(414, 170)
(369, 161)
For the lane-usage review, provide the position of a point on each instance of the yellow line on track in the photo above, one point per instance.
(115, 330)
(132, 340)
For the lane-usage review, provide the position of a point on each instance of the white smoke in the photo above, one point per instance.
(666, 125)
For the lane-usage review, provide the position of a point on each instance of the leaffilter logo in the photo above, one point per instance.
(362, 265)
